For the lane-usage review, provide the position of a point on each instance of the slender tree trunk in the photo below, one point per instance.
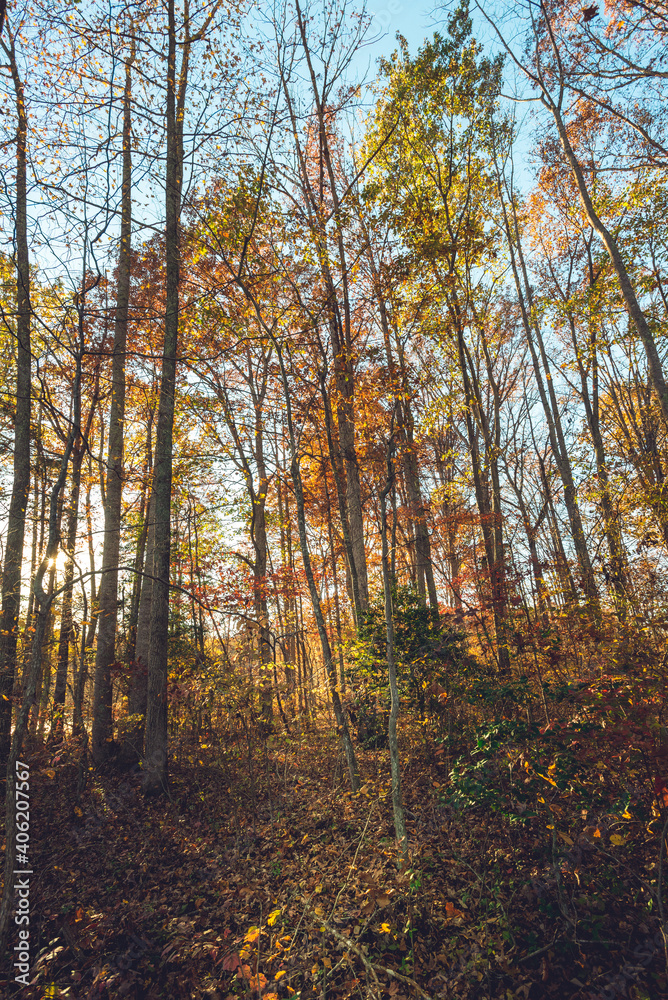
(330, 666)
(531, 531)
(65, 639)
(449, 516)
(640, 436)
(66, 625)
(44, 680)
(339, 317)
(339, 482)
(395, 770)
(550, 405)
(490, 516)
(261, 609)
(11, 576)
(629, 296)
(35, 549)
(108, 593)
(288, 626)
(140, 555)
(133, 743)
(335, 581)
(425, 570)
(91, 559)
(424, 567)
(154, 779)
(611, 526)
(345, 389)
(90, 629)
(569, 591)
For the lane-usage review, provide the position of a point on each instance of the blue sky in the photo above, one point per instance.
(413, 20)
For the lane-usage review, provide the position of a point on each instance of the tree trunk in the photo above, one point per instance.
(612, 530)
(11, 576)
(335, 582)
(133, 742)
(43, 603)
(569, 592)
(550, 407)
(140, 554)
(154, 780)
(65, 639)
(339, 482)
(395, 770)
(108, 593)
(629, 296)
(424, 568)
(488, 509)
(288, 625)
(339, 319)
(330, 666)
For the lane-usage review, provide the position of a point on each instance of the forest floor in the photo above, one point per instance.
(262, 875)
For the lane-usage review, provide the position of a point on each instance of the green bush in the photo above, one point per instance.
(428, 651)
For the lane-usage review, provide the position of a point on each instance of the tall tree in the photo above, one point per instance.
(11, 575)
(433, 172)
(154, 778)
(108, 592)
(548, 396)
(552, 64)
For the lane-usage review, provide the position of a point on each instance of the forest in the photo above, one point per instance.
(333, 500)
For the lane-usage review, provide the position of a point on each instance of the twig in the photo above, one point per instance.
(371, 967)
(352, 865)
(536, 954)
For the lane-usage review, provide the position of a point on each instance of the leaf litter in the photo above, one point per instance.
(279, 883)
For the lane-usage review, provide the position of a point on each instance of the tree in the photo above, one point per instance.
(11, 576)
(397, 804)
(177, 80)
(108, 592)
(542, 373)
(435, 178)
(552, 71)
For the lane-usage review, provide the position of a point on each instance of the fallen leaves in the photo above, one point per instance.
(263, 904)
(451, 911)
